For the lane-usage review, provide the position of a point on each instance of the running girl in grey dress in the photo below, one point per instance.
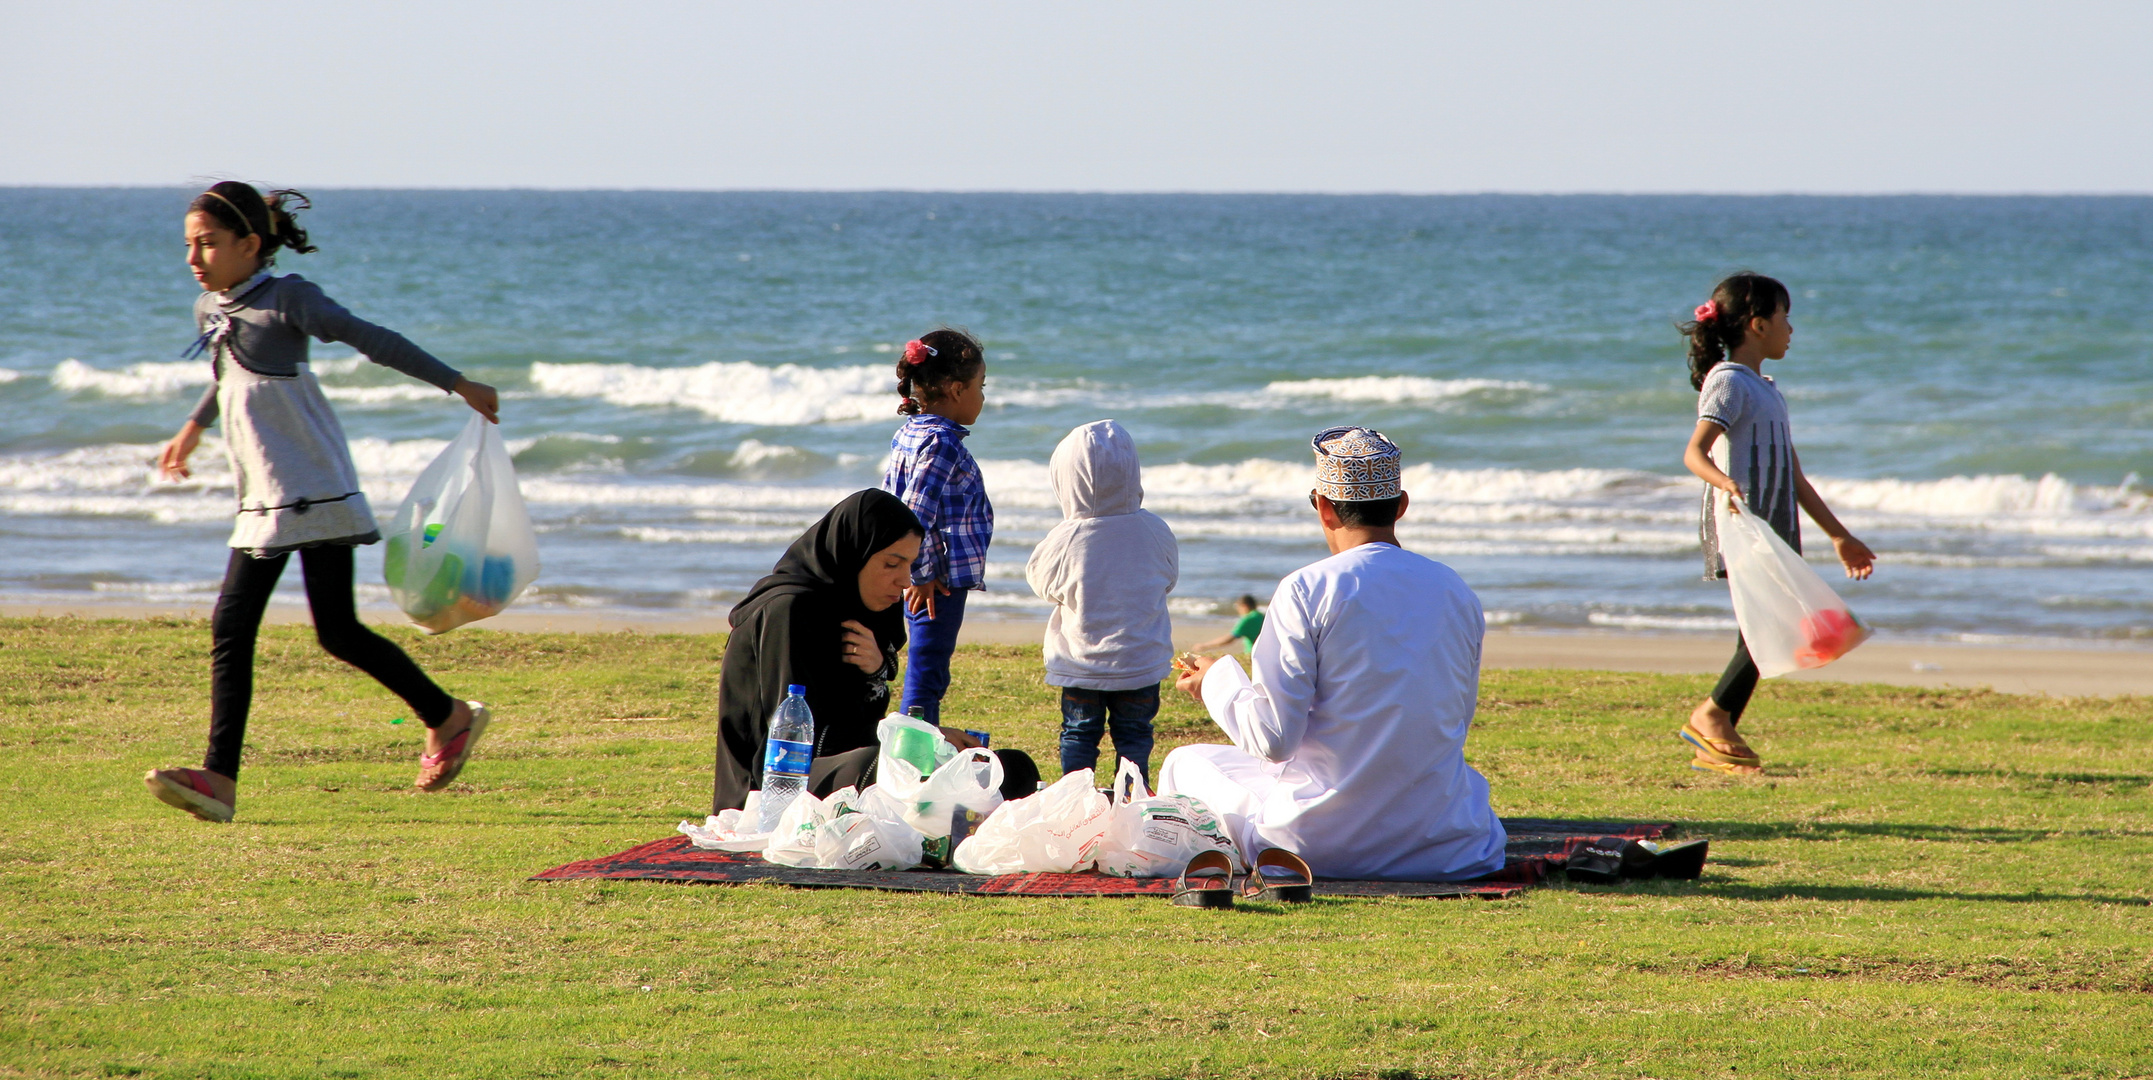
(1743, 448)
(297, 488)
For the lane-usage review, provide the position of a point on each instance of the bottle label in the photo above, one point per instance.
(782, 757)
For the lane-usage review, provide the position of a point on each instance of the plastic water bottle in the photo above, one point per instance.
(787, 755)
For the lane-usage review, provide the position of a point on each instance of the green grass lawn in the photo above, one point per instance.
(1927, 882)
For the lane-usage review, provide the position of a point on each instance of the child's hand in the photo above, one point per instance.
(1734, 497)
(481, 397)
(1855, 556)
(958, 737)
(920, 598)
(172, 460)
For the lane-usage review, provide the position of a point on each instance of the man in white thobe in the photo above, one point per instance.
(1348, 744)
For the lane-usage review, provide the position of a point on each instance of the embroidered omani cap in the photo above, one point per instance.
(1356, 464)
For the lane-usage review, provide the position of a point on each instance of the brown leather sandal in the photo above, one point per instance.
(1298, 889)
(1207, 882)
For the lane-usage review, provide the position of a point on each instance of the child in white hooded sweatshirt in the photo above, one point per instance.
(1106, 569)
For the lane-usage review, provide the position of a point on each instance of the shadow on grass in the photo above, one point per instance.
(1893, 830)
(1843, 893)
(2122, 781)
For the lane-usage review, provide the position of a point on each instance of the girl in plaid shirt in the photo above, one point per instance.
(943, 377)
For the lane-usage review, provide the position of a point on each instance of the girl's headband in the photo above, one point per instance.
(1707, 311)
(242, 214)
(917, 352)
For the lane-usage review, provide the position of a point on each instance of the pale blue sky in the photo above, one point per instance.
(1156, 96)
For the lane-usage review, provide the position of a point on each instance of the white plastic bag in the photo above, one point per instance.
(461, 548)
(792, 842)
(866, 831)
(911, 751)
(1790, 618)
(730, 830)
(947, 804)
(850, 830)
(1055, 831)
(1157, 835)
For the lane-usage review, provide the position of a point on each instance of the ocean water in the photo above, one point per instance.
(690, 379)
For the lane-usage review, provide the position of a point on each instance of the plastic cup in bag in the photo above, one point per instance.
(461, 547)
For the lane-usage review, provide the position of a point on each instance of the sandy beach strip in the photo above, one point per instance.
(2018, 669)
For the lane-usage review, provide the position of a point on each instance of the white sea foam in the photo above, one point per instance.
(1397, 389)
(8, 375)
(1662, 622)
(740, 393)
(144, 380)
(1456, 512)
(162, 590)
(655, 535)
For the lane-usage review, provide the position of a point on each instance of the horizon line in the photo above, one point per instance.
(1160, 192)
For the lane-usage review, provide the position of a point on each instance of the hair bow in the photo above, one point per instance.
(1707, 311)
(917, 351)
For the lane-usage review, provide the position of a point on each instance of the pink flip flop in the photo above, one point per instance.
(189, 790)
(437, 771)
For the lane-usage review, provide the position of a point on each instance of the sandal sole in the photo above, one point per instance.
(188, 799)
(480, 718)
(1697, 743)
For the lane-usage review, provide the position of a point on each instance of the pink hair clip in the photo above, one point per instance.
(917, 351)
(1707, 311)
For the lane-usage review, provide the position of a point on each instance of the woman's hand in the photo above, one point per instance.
(1735, 500)
(920, 598)
(1191, 681)
(172, 460)
(481, 397)
(958, 737)
(859, 648)
(1855, 556)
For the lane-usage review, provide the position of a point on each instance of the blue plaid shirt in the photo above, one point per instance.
(935, 475)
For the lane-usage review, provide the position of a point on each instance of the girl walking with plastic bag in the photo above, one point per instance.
(297, 487)
(1743, 450)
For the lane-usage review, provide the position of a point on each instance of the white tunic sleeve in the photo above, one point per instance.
(1268, 717)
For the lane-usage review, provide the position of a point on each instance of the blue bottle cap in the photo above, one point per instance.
(796, 688)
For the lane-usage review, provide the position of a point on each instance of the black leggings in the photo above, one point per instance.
(248, 581)
(1736, 683)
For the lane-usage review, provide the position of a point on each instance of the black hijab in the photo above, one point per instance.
(788, 630)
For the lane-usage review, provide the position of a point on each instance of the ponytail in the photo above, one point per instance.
(243, 210)
(936, 359)
(1719, 324)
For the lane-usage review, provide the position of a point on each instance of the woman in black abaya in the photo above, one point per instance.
(828, 618)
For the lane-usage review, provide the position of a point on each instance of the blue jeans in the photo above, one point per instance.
(927, 654)
(1088, 714)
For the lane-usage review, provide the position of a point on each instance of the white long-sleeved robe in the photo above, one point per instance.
(1348, 745)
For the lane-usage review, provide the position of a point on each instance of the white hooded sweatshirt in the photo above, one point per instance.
(1106, 568)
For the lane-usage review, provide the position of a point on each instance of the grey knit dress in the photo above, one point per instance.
(297, 486)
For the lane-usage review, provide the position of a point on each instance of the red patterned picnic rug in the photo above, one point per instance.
(1537, 846)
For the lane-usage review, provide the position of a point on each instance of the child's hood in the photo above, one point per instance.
(1096, 473)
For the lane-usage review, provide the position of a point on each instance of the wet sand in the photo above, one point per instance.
(2021, 669)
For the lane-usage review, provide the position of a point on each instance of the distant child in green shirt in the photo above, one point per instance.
(1245, 628)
